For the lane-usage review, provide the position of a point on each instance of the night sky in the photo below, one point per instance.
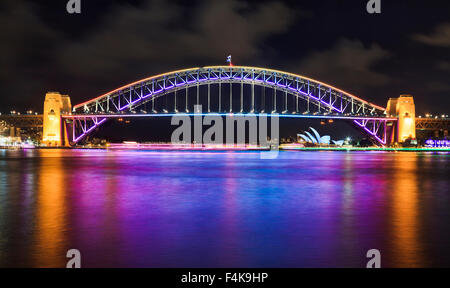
(405, 49)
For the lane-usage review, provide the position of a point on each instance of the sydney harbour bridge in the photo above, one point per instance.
(228, 90)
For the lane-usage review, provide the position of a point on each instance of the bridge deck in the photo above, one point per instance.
(137, 115)
(23, 121)
(432, 124)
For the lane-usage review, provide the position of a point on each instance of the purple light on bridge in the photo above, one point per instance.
(235, 78)
(89, 130)
(371, 132)
(235, 114)
(241, 78)
(300, 92)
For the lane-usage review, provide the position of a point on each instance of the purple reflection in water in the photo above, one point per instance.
(223, 209)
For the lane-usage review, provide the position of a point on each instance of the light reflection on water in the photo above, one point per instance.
(223, 209)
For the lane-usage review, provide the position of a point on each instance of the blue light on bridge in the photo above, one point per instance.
(437, 143)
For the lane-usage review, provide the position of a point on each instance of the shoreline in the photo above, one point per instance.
(388, 149)
(239, 149)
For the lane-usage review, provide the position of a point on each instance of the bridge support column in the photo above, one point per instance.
(263, 99)
(54, 130)
(253, 97)
(187, 100)
(274, 100)
(220, 97)
(231, 97)
(404, 109)
(242, 97)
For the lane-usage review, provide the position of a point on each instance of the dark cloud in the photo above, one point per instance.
(221, 28)
(443, 65)
(348, 65)
(436, 86)
(26, 48)
(131, 41)
(439, 37)
(148, 37)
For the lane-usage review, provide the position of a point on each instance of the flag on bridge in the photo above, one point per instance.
(229, 59)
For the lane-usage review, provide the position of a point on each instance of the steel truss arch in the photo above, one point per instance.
(319, 93)
(125, 99)
(168, 92)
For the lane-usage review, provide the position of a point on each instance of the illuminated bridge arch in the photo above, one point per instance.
(327, 100)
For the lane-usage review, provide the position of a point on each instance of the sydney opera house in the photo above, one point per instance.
(316, 139)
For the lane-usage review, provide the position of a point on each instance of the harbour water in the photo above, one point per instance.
(223, 209)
